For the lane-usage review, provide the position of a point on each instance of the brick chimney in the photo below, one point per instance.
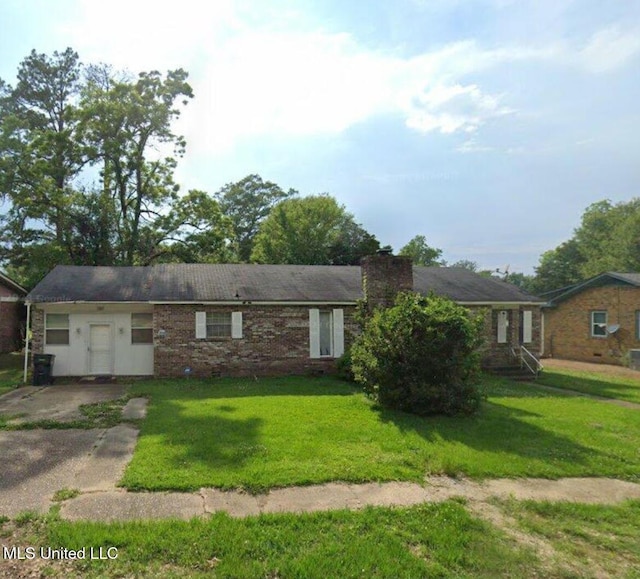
(384, 275)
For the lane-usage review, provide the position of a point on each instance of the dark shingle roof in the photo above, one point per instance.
(602, 279)
(462, 285)
(233, 282)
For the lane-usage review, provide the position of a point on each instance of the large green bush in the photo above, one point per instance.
(420, 356)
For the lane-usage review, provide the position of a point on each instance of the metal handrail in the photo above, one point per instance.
(538, 365)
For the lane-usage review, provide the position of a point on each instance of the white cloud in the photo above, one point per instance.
(252, 77)
(454, 108)
(609, 49)
(471, 145)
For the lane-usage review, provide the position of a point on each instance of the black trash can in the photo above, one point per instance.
(43, 369)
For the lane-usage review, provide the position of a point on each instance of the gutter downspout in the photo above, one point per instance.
(26, 342)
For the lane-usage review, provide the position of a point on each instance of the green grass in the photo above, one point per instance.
(595, 537)
(431, 540)
(11, 369)
(257, 435)
(620, 387)
(65, 494)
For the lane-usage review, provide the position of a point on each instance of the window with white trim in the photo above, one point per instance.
(57, 329)
(218, 324)
(326, 333)
(599, 324)
(142, 328)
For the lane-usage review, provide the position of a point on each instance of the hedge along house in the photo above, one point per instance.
(597, 320)
(168, 320)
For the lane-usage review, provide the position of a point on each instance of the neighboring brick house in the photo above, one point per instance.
(597, 320)
(11, 314)
(224, 319)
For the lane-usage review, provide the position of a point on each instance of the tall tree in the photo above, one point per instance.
(125, 123)
(247, 203)
(607, 239)
(466, 264)
(559, 267)
(352, 243)
(421, 253)
(195, 231)
(312, 230)
(40, 155)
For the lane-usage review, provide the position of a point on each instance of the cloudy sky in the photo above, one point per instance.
(486, 125)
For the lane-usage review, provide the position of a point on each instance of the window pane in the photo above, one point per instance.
(58, 337)
(142, 320)
(598, 323)
(57, 321)
(142, 336)
(325, 334)
(218, 324)
(599, 317)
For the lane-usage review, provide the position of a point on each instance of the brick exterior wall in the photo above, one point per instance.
(567, 326)
(384, 276)
(37, 330)
(275, 340)
(11, 319)
(497, 355)
(12, 314)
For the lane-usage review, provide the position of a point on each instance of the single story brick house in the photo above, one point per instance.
(597, 320)
(11, 313)
(240, 319)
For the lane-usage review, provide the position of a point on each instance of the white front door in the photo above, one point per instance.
(100, 346)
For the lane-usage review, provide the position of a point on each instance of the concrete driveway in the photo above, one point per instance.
(60, 403)
(34, 464)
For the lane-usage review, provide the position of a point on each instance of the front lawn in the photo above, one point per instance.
(241, 433)
(603, 539)
(621, 387)
(11, 371)
(431, 540)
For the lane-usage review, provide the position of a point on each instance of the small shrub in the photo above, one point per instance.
(421, 356)
(343, 366)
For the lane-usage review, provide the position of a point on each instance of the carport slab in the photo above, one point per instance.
(37, 463)
(60, 403)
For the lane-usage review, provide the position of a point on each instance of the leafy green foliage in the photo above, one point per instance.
(559, 267)
(420, 356)
(312, 230)
(608, 239)
(121, 123)
(421, 253)
(344, 367)
(247, 204)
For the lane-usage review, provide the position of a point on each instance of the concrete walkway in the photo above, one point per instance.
(120, 505)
